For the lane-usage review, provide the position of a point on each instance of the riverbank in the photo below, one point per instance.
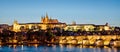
(89, 40)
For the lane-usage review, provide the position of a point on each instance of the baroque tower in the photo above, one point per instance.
(15, 25)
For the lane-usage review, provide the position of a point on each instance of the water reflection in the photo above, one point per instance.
(115, 50)
(55, 48)
(22, 47)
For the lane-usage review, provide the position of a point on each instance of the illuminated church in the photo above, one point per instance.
(45, 23)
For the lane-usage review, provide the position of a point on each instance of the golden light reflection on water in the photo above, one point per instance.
(35, 45)
(109, 50)
(14, 46)
(10, 46)
(85, 46)
(54, 46)
(22, 47)
(80, 46)
(61, 45)
(0, 45)
(48, 44)
(106, 47)
(69, 46)
(99, 50)
(115, 50)
(91, 46)
(94, 49)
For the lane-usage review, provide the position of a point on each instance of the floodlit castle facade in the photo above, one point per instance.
(45, 23)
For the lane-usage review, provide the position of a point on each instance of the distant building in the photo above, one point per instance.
(45, 23)
(82, 27)
(105, 27)
(4, 26)
(87, 27)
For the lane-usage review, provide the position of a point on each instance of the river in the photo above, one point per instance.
(55, 48)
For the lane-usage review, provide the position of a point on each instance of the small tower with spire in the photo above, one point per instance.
(15, 22)
(107, 24)
(73, 23)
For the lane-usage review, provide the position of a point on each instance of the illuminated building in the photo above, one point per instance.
(46, 22)
(86, 27)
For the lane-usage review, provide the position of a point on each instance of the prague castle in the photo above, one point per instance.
(45, 23)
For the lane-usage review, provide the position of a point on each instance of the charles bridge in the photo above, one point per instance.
(100, 40)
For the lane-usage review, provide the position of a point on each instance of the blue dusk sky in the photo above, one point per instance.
(81, 11)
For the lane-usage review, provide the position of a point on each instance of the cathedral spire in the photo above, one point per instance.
(46, 15)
